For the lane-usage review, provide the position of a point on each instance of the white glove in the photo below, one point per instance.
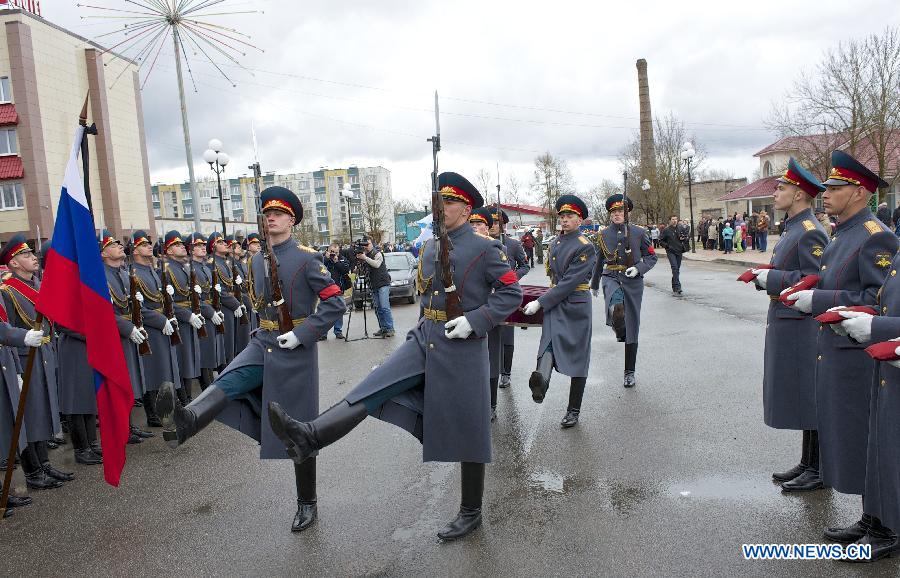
(33, 338)
(196, 321)
(631, 272)
(19, 378)
(218, 317)
(838, 327)
(239, 312)
(458, 328)
(801, 300)
(170, 290)
(239, 280)
(169, 327)
(858, 325)
(197, 290)
(137, 336)
(218, 288)
(288, 340)
(595, 292)
(139, 297)
(532, 307)
(761, 275)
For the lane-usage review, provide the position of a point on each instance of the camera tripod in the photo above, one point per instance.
(362, 290)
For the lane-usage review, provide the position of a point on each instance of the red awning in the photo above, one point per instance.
(11, 167)
(762, 188)
(8, 114)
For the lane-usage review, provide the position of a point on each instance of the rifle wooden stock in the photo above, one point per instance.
(137, 318)
(238, 290)
(195, 302)
(285, 321)
(168, 304)
(214, 297)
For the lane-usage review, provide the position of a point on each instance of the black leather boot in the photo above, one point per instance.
(90, 427)
(13, 501)
(80, 445)
(206, 378)
(35, 476)
(307, 511)
(182, 423)
(576, 393)
(618, 321)
(810, 479)
(540, 377)
(506, 367)
(44, 458)
(630, 364)
(799, 468)
(469, 516)
(303, 440)
(882, 540)
(851, 533)
(150, 409)
(184, 392)
(494, 381)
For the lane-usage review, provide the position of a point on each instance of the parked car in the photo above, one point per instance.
(547, 240)
(402, 266)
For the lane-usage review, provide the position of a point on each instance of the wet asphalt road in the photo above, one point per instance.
(667, 479)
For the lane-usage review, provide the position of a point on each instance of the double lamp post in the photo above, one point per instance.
(217, 161)
(687, 155)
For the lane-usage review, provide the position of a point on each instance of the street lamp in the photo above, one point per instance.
(645, 186)
(687, 155)
(217, 161)
(347, 193)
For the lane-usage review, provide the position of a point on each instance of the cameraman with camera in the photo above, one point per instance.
(339, 268)
(369, 255)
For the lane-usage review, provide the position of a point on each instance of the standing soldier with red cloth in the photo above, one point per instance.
(518, 262)
(566, 332)
(435, 385)
(789, 376)
(283, 368)
(853, 269)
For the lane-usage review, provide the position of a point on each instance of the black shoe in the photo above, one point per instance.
(303, 440)
(571, 418)
(154, 421)
(182, 423)
(629, 379)
(87, 457)
(849, 534)
(305, 516)
(882, 546)
(323, 337)
(338, 335)
(676, 291)
(379, 333)
(504, 382)
(806, 482)
(17, 501)
(789, 474)
(466, 521)
(133, 439)
(493, 414)
(57, 474)
(141, 433)
(41, 481)
(539, 386)
(390, 333)
(138, 403)
(7, 512)
(95, 447)
(51, 444)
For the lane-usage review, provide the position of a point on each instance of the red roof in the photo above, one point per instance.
(808, 144)
(812, 146)
(755, 190)
(11, 167)
(526, 209)
(8, 114)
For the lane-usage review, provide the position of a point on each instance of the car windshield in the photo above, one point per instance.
(397, 262)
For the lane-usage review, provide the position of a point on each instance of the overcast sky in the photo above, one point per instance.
(352, 82)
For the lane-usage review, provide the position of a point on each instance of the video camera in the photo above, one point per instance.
(360, 246)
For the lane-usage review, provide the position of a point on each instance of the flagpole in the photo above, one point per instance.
(86, 175)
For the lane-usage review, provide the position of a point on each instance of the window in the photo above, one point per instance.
(320, 183)
(323, 227)
(235, 190)
(186, 194)
(320, 212)
(12, 197)
(175, 211)
(767, 169)
(303, 185)
(354, 179)
(205, 208)
(188, 211)
(5, 89)
(156, 212)
(8, 142)
(320, 197)
(155, 196)
(237, 204)
(205, 194)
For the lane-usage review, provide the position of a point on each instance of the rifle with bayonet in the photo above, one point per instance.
(285, 321)
(195, 298)
(168, 303)
(442, 247)
(238, 288)
(137, 318)
(214, 298)
(629, 257)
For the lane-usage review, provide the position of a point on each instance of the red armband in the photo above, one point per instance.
(509, 278)
(329, 292)
(651, 250)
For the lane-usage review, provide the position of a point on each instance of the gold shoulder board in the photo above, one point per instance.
(583, 240)
(808, 225)
(305, 248)
(872, 227)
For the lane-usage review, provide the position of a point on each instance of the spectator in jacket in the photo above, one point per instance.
(762, 231)
(727, 235)
(339, 268)
(674, 247)
(712, 235)
(528, 244)
(380, 281)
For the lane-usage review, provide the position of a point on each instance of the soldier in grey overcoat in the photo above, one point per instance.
(212, 347)
(621, 266)
(239, 291)
(177, 271)
(518, 262)
(567, 325)
(435, 385)
(853, 269)
(162, 364)
(41, 419)
(251, 247)
(275, 366)
(789, 366)
(217, 246)
(881, 500)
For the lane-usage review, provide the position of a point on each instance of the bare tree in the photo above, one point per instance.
(485, 181)
(552, 178)
(662, 198)
(405, 206)
(595, 199)
(372, 207)
(850, 101)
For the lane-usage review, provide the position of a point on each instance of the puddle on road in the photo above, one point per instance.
(720, 488)
(548, 481)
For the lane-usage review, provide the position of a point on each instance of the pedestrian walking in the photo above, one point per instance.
(674, 250)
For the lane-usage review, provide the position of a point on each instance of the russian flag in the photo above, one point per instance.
(74, 294)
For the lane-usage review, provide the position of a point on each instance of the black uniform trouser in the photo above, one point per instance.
(675, 262)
